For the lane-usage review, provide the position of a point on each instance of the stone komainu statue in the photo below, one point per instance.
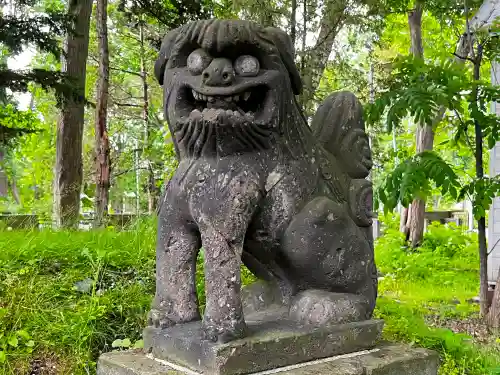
(255, 184)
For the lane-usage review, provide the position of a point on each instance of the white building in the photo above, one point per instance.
(485, 17)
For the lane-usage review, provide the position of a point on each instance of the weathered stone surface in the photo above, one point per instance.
(384, 360)
(260, 296)
(322, 308)
(256, 184)
(132, 363)
(270, 344)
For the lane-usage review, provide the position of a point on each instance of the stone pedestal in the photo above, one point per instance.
(386, 359)
(271, 344)
(275, 345)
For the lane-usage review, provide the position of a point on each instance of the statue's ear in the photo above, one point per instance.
(287, 53)
(165, 50)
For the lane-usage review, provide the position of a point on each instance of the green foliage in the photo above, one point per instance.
(170, 14)
(42, 25)
(39, 294)
(42, 30)
(412, 179)
(423, 91)
(14, 123)
(19, 81)
(437, 7)
(418, 89)
(483, 191)
(446, 256)
(76, 294)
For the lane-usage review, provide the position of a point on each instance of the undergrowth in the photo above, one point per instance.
(65, 297)
(438, 279)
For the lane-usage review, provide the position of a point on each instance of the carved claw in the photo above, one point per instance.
(159, 319)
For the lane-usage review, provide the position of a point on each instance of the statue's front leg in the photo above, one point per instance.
(176, 299)
(223, 227)
(223, 320)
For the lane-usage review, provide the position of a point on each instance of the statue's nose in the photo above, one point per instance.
(220, 72)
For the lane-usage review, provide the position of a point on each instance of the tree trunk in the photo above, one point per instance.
(481, 227)
(415, 24)
(425, 133)
(151, 184)
(293, 22)
(103, 162)
(68, 167)
(15, 191)
(425, 141)
(7, 184)
(403, 222)
(304, 37)
(332, 19)
(4, 181)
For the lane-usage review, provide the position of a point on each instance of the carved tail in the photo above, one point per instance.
(339, 127)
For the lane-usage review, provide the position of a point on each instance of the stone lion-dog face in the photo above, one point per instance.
(225, 79)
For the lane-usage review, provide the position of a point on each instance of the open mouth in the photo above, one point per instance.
(249, 103)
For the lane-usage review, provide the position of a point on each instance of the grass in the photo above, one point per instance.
(39, 272)
(65, 297)
(435, 281)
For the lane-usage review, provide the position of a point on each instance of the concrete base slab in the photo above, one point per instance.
(387, 359)
(272, 343)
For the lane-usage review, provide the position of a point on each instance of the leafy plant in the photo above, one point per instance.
(421, 90)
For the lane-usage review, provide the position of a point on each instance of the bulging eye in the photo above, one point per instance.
(198, 61)
(247, 66)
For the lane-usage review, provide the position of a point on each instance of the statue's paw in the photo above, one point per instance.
(322, 308)
(159, 319)
(223, 333)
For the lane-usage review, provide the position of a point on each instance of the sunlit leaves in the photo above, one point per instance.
(448, 7)
(482, 191)
(419, 89)
(412, 179)
(423, 91)
(14, 123)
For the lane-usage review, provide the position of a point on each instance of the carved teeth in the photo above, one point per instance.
(228, 99)
(236, 98)
(246, 95)
(211, 99)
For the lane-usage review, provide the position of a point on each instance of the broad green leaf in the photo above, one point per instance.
(139, 344)
(30, 343)
(22, 333)
(13, 341)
